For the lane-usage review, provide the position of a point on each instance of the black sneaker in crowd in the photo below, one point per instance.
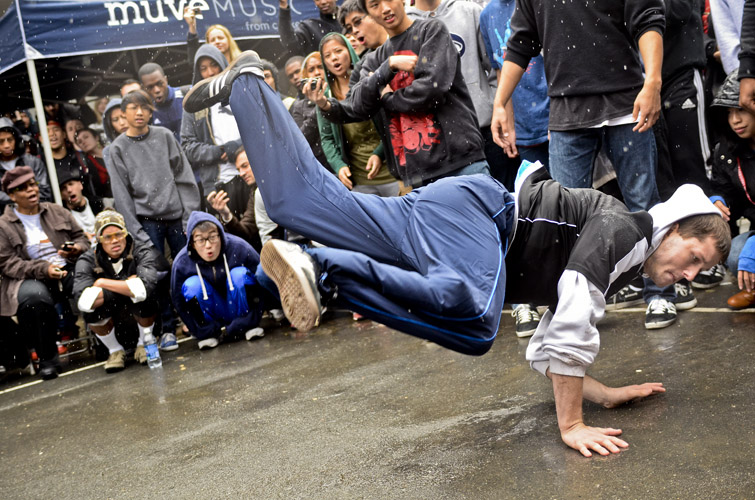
(218, 88)
(710, 278)
(659, 314)
(527, 319)
(628, 296)
(685, 299)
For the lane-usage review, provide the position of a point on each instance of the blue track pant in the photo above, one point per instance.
(430, 264)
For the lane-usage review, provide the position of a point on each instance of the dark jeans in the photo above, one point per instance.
(37, 314)
(158, 231)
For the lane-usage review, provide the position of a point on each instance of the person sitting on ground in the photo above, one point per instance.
(114, 280)
(12, 155)
(733, 185)
(246, 226)
(82, 208)
(213, 284)
(433, 263)
(39, 245)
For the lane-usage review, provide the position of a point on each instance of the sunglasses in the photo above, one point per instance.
(111, 237)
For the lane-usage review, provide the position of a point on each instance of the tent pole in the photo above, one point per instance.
(52, 174)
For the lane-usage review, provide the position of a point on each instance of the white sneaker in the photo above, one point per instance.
(295, 274)
(208, 343)
(255, 333)
(277, 315)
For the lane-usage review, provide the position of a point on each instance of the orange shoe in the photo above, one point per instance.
(742, 300)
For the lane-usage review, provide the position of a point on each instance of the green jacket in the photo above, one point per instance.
(331, 134)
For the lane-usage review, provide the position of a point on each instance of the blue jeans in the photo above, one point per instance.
(632, 154)
(402, 261)
(737, 243)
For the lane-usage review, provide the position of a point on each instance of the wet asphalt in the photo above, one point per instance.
(356, 410)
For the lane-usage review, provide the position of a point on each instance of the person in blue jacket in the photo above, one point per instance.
(213, 286)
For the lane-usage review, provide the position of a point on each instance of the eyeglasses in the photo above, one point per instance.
(111, 237)
(355, 23)
(212, 239)
(24, 186)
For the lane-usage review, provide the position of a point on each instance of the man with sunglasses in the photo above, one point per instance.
(116, 280)
(39, 243)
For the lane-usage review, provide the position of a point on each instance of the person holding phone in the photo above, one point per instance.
(39, 245)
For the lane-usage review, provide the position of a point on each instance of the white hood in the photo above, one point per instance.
(686, 201)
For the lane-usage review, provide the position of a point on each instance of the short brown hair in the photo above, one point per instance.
(139, 97)
(704, 225)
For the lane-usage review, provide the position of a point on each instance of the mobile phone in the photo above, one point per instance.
(313, 83)
(67, 246)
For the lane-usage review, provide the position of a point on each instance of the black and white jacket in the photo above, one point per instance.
(571, 249)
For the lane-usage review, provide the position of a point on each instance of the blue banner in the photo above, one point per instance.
(56, 28)
(11, 40)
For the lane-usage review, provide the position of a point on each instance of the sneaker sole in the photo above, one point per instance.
(659, 324)
(528, 333)
(256, 333)
(684, 306)
(169, 348)
(704, 286)
(114, 369)
(299, 303)
(624, 305)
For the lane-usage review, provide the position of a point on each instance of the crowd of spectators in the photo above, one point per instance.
(162, 220)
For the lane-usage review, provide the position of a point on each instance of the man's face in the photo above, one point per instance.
(52, 109)
(26, 196)
(137, 115)
(118, 120)
(326, 6)
(293, 73)
(207, 244)
(269, 79)
(389, 14)
(245, 170)
(208, 67)
(71, 192)
(678, 258)
(7, 145)
(156, 85)
(130, 87)
(365, 29)
(57, 137)
(113, 241)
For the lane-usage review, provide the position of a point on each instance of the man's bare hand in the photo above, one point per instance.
(283, 4)
(403, 63)
(55, 272)
(602, 440)
(374, 163)
(190, 19)
(617, 396)
(746, 280)
(75, 250)
(219, 201)
(747, 94)
(503, 131)
(725, 212)
(647, 108)
(344, 175)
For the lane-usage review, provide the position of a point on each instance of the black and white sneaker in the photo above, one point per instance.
(295, 274)
(218, 88)
(710, 278)
(685, 299)
(527, 319)
(659, 314)
(628, 296)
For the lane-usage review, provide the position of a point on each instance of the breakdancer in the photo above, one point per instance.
(437, 262)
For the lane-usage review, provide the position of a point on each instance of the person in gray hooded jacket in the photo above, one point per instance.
(209, 149)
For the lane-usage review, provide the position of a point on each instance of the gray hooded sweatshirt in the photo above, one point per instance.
(462, 18)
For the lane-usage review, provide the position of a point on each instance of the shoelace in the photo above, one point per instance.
(660, 306)
(525, 315)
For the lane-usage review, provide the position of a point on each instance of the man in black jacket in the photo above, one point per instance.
(114, 279)
(305, 38)
(433, 263)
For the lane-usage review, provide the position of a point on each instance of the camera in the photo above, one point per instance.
(312, 82)
(67, 246)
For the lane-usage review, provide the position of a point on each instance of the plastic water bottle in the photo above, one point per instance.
(153, 354)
